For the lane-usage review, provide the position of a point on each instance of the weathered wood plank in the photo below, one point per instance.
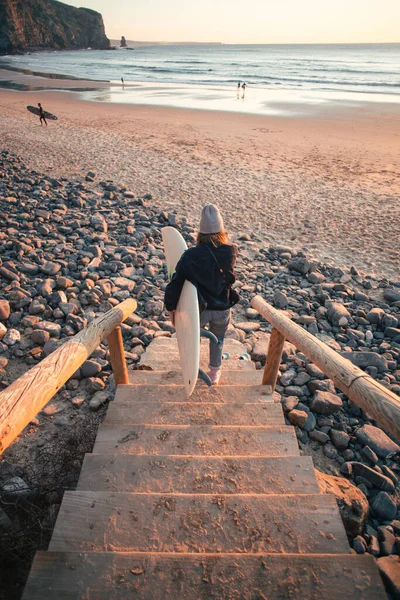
(274, 358)
(233, 394)
(24, 398)
(123, 522)
(117, 357)
(197, 441)
(376, 400)
(231, 378)
(114, 576)
(193, 413)
(190, 475)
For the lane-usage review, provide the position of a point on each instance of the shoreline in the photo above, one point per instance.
(329, 184)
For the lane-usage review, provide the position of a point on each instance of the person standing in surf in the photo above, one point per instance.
(238, 89)
(42, 115)
(244, 90)
(210, 267)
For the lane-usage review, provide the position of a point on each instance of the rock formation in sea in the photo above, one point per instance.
(123, 43)
(27, 25)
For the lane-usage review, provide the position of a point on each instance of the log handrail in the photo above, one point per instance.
(25, 397)
(373, 398)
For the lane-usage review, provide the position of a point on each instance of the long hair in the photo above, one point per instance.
(216, 239)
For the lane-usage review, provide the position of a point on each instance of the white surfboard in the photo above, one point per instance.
(187, 317)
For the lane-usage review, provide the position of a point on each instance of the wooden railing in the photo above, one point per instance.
(26, 396)
(377, 401)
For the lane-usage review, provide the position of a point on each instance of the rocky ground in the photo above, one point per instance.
(72, 249)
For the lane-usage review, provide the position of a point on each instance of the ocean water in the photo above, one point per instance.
(206, 76)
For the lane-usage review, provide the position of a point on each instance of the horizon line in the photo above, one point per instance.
(113, 39)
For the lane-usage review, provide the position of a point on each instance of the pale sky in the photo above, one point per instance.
(250, 21)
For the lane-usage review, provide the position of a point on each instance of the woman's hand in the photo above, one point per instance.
(172, 317)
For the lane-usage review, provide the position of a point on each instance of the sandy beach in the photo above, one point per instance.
(328, 184)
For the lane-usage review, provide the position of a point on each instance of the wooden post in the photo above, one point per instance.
(26, 396)
(274, 356)
(376, 400)
(117, 356)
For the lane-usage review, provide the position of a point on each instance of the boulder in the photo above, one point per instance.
(383, 507)
(376, 479)
(326, 403)
(367, 359)
(353, 504)
(337, 313)
(377, 440)
(391, 295)
(300, 265)
(389, 568)
(280, 300)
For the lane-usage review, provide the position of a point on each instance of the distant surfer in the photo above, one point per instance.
(123, 83)
(42, 115)
(210, 267)
(244, 89)
(238, 89)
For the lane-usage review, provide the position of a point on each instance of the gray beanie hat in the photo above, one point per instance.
(211, 220)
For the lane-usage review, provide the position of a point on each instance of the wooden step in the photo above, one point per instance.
(124, 576)
(188, 413)
(197, 441)
(124, 522)
(191, 475)
(139, 377)
(176, 393)
(162, 363)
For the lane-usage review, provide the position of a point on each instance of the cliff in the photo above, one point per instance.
(48, 25)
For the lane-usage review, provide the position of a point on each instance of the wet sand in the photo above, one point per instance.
(330, 184)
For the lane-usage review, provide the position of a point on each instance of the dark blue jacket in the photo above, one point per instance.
(199, 266)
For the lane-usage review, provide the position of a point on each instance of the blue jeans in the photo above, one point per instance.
(218, 321)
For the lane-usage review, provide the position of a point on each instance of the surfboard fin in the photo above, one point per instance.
(204, 377)
(208, 334)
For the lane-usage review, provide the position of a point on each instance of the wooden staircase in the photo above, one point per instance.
(200, 498)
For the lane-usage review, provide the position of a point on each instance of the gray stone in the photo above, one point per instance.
(391, 295)
(367, 359)
(369, 455)
(98, 400)
(375, 315)
(98, 222)
(336, 312)
(340, 439)
(90, 368)
(383, 506)
(52, 328)
(319, 436)
(280, 300)
(50, 268)
(40, 337)
(330, 451)
(311, 423)
(326, 403)
(377, 479)
(377, 440)
(300, 265)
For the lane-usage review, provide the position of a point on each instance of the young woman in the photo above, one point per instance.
(210, 267)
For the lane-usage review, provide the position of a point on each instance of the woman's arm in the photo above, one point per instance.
(174, 288)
